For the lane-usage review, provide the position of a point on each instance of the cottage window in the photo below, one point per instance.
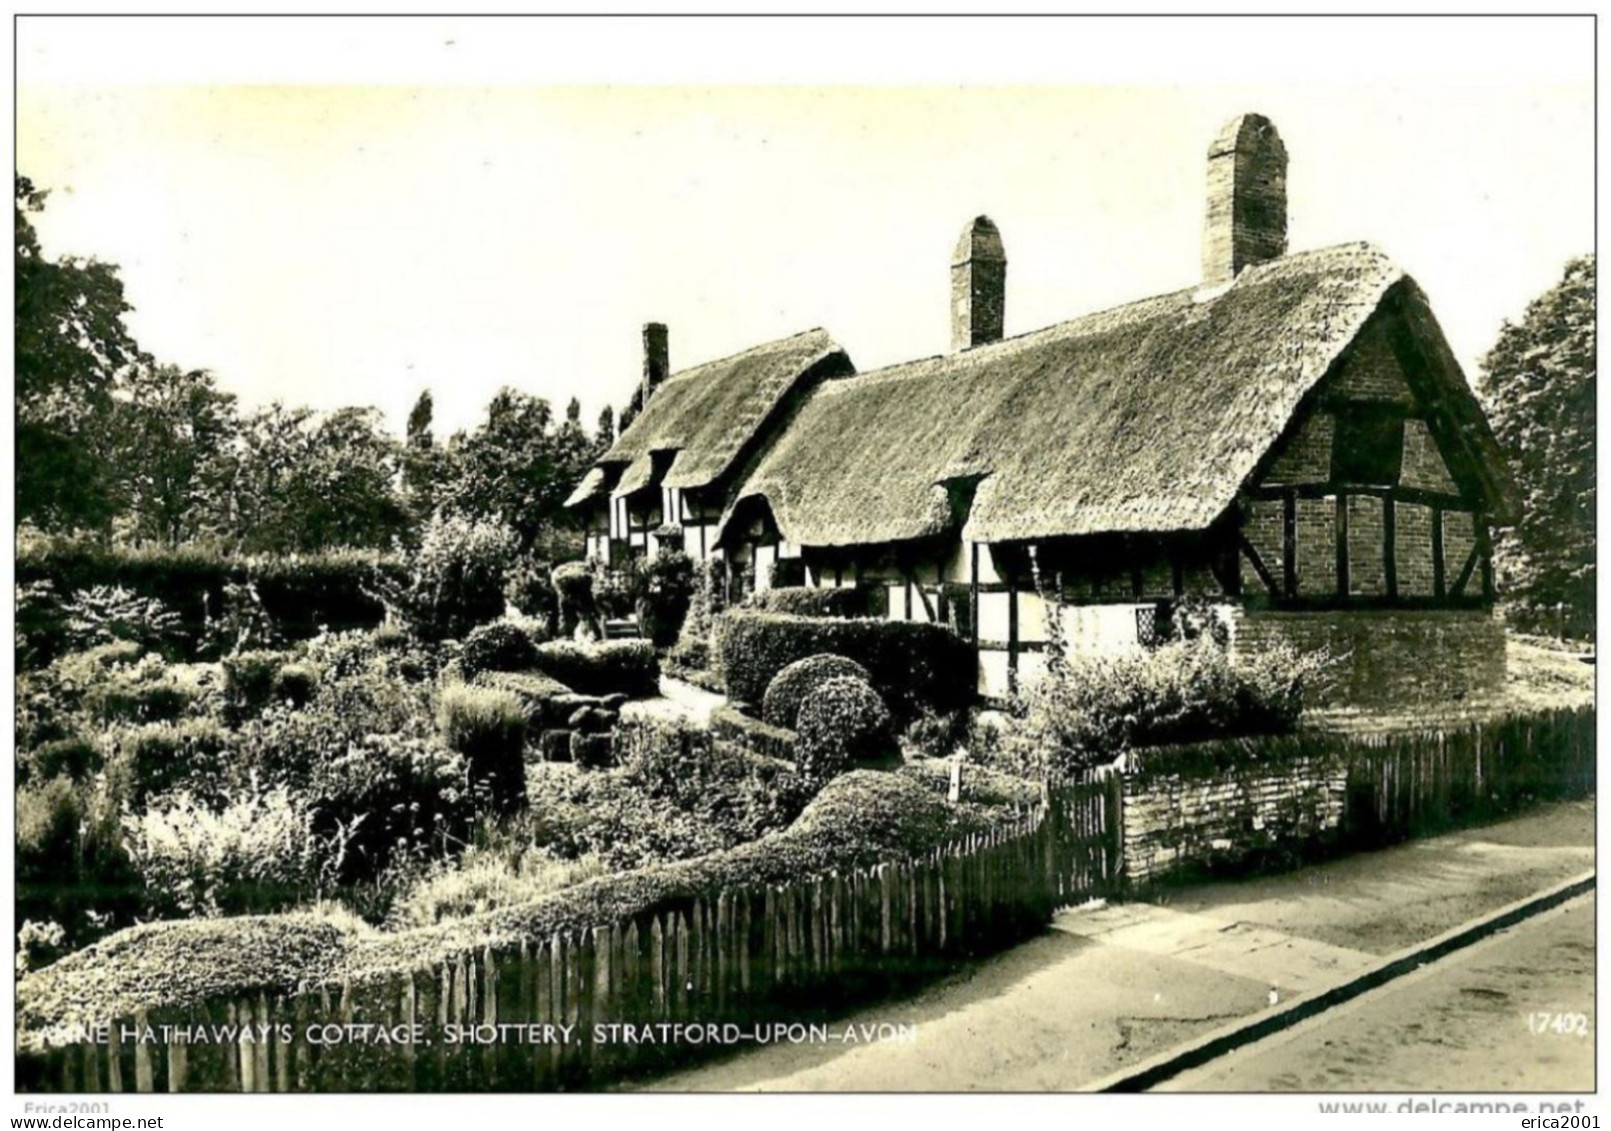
(1369, 447)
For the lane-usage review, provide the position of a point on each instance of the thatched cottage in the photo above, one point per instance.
(1290, 439)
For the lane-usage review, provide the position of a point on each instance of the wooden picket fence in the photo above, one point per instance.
(743, 961)
(1410, 784)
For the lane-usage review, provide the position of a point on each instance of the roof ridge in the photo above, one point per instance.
(1068, 325)
(742, 354)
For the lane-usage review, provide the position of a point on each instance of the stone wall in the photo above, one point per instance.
(1197, 819)
(1391, 657)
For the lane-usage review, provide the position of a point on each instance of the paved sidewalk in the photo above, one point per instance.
(1106, 987)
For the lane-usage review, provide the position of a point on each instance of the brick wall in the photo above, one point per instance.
(1263, 529)
(1372, 372)
(1412, 549)
(1367, 567)
(1307, 456)
(1175, 822)
(1459, 535)
(1316, 532)
(1423, 465)
(1391, 657)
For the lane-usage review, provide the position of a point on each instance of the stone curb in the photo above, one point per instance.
(1156, 1069)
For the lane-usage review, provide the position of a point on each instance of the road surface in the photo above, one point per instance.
(1514, 1012)
(1106, 988)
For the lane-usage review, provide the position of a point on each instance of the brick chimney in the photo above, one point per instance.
(978, 285)
(1247, 198)
(656, 357)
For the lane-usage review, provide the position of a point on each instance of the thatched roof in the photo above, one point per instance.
(701, 419)
(1146, 417)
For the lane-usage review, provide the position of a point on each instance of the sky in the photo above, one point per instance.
(349, 212)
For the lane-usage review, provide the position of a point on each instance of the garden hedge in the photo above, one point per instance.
(913, 665)
(729, 722)
(302, 593)
(801, 601)
(624, 667)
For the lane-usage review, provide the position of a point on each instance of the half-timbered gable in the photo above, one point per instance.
(667, 480)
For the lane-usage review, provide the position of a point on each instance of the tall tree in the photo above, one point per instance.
(173, 431)
(302, 482)
(71, 347)
(516, 468)
(1539, 382)
(422, 460)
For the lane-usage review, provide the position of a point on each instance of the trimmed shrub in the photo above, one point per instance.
(295, 684)
(800, 601)
(573, 589)
(665, 589)
(249, 681)
(158, 757)
(625, 667)
(487, 727)
(730, 723)
(144, 693)
(337, 589)
(594, 751)
(801, 679)
(529, 587)
(913, 665)
(72, 757)
(487, 880)
(555, 745)
(709, 598)
(842, 725)
(333, 591)
(496, 647)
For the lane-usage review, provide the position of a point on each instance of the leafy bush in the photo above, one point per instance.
(296, 683)
(249, 681)
(578, 611)
(158, 757)
(801, 679)
(913, 665)
(497, 647)
(843, 724)
(487, 880)
(615, 667)
(1089, 711)
(39, 944)
(592, 750)
(143, 692)
(665, 589)
(708, 601)
(259, 853)
(41, 629)
(106, 614)
(800, 601)
(389, 801)
(674, 794)
(529, 587)
(72, 757)
(71, 865)
(458, 577)
(487, 727)
(932, 735)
